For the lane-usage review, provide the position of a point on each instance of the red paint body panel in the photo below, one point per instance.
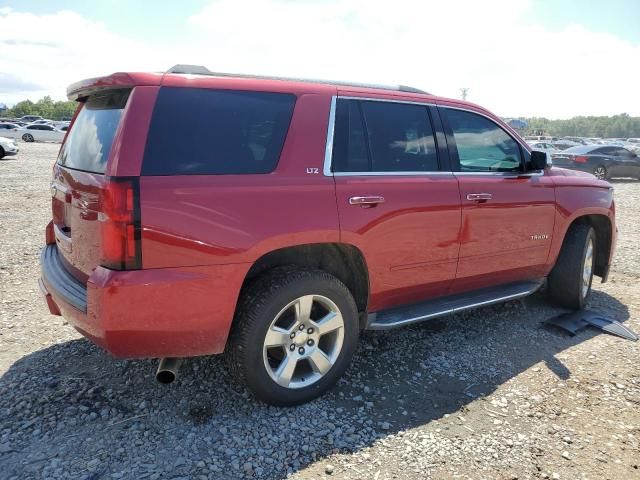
(219, 219)
(158, 312)
(200, 235)
(579, 194)
(496, 244)
(127, 150)
(410, 242)
(76, 206)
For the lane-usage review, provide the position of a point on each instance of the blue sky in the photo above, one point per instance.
(518, 57)
(144, 18)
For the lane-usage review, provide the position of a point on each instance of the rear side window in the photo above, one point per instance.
(399, 138)
(89, 141)
(212, 132)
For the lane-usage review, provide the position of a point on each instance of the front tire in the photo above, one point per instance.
(569, 283)
(294, 335)
(2, 153)
(27, 137)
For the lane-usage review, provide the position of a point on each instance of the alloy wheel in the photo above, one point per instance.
(600, 173)
(587, 269)
(303, 341)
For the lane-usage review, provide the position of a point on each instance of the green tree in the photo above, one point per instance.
(45, 107)
(616, 126)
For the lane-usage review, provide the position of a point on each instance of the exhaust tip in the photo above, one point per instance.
(168, 370)
(165, 376)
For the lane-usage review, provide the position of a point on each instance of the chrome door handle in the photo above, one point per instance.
(365, 202)
(478, 197)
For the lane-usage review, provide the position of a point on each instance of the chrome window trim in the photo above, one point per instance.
(538, 173)
(328, 151)
(369, 99)
(330, 139)
(523, 145)
(395, 174)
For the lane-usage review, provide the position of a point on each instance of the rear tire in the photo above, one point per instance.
(2, 153)
(569, 283)
(27, 137)
(294, 335)
(601, 172)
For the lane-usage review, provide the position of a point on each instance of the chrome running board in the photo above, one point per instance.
(418, 312)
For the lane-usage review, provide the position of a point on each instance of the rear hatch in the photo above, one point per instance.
(93, 214)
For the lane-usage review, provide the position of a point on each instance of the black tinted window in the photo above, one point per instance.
(622, 152)
(350, 144)
(398, 138)
(604, 150)
(482, 145)
(89, 141)
(200, 132)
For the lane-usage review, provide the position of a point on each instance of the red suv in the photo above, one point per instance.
(197, 213)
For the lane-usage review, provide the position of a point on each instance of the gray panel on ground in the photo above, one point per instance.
(572, 322)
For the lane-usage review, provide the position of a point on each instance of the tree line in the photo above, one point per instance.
(45, 107)
(616, 126)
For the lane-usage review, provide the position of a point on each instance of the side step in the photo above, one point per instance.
(418, 312)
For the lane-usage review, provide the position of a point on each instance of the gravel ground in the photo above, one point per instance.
(489, 394)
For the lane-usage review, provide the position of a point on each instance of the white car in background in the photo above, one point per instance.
(543, 146)
(8, 147)
(38, 133)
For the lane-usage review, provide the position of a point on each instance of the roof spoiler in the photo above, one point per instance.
(202, 70)
(86, 87)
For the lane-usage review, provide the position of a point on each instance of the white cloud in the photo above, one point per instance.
(510, 65)
(55, 50)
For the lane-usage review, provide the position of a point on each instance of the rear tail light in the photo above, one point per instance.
(580, 159)
(120, 218)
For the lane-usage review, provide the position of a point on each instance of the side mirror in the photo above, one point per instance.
(539, 161)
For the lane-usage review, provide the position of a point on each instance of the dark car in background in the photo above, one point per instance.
(604, 161)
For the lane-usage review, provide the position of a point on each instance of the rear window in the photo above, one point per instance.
(580, 149)
(89, 141)
(213, 132)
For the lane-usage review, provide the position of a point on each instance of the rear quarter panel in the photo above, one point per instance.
(194, 220)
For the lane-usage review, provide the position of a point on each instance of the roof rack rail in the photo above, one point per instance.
(202, 70)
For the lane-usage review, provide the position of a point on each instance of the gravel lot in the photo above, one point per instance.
(490, 394)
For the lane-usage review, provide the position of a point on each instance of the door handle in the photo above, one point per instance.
(366, 202)
(479, 197)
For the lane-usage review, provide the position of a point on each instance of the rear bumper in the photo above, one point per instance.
(59, 282)
(9, 153)
(172, 312)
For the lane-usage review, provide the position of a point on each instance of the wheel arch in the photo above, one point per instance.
(344, 261)
(603, 228)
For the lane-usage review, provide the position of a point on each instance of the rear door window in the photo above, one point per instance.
(212, 132)
(378, 136)
(89, 141)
